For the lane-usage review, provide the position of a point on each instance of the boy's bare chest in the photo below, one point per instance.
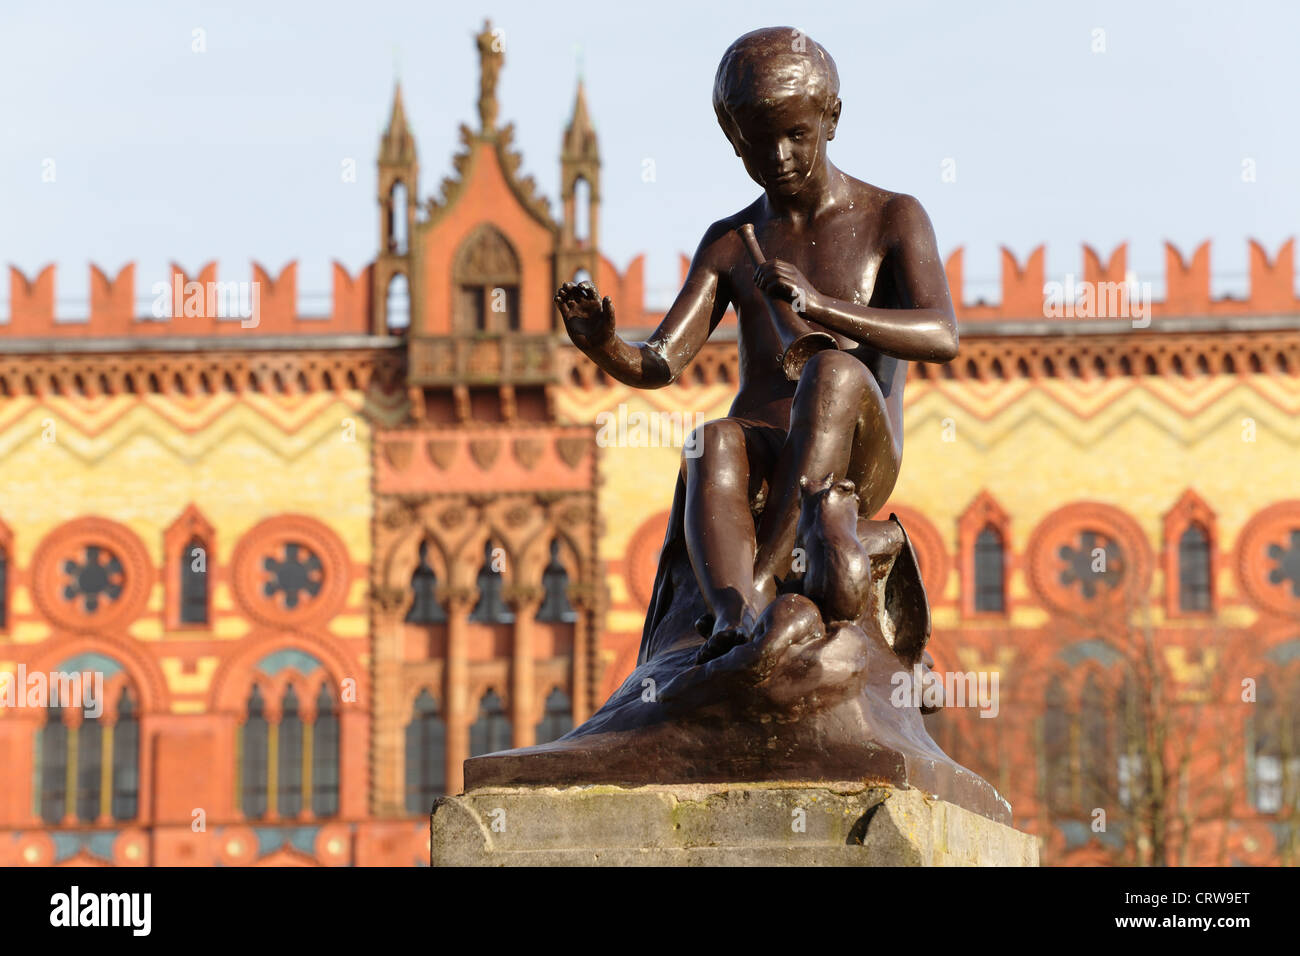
(841, 258)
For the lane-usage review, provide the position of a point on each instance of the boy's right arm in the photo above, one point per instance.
(660, 359)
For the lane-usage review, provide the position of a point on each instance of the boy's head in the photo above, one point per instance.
(777, 99)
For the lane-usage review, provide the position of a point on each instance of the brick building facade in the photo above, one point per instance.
(320, 561)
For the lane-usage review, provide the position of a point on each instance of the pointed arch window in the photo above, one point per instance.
(125, 802)
(486, 276)
(425, 608)
(54, 767)
(254, 750)
(1095, 753)
(491, 731)
(397, 203)
(89, 771)
(194, 582)
(189, 554)
(1194, 569)
(290, 755)
(1190, 535)
(289, 770)
(1056, 748)
(1131, 765)
(86, 763)
(398, 304)
(325, 736)
(491, 607)
(557, 717)
(426, 755)
(555, 604)
(990, 573)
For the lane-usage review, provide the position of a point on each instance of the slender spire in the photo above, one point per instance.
(580, 135)
(397, 145)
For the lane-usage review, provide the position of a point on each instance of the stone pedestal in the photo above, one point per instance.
(809, 824)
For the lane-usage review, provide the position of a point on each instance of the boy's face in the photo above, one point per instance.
(783, 142)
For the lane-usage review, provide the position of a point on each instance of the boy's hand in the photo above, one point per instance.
(588, 318)
(779, 279)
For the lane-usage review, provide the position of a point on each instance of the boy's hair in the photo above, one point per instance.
(736, 85)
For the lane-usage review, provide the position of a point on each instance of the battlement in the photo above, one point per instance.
(186, 306)
(1028, 293)
(203, 305)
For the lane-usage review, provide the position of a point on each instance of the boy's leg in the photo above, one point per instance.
(839, 425)
(721, 482)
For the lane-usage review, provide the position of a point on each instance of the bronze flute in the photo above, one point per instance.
(799, 340)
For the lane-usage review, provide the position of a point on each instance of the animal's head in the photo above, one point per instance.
(826, 491)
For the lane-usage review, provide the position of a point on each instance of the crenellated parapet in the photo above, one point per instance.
(1108, 289)
(185, 305)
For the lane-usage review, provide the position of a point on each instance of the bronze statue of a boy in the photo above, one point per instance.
(756, 665)
(855, 261)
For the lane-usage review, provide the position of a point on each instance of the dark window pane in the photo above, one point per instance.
(557, 718)
(425, 608)
(54, 767)
(289, 776)
(989, 569)
(491, 607)
(254, 769)
(555, 586)
(194, 583)
(491, 732)
(126, 760)
(426, 756)
(325, 756)
(1194, 569)
(1056, 748)
(4, 591)
(90, 749)
(1096, 755)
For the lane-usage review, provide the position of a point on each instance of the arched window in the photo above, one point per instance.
(125, 804)
(491, 607)
(426, 756)
(1095, 749)
(54, 767)
(1194, 569)
(1269, 753)
(397, 238)
(325, 755)
(555, 585)
(989, 571)
(194, 583)
(1131, 765)
(425, 608)
(289, 770)
(491, 732)
(557, 718)
(254, 749)
(486, 276)
(87, 756)
(90, 740)
(1056, 748)
(398, 308)
(581, 210)
(290, 763)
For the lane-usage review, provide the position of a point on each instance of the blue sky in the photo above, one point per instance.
(161, 153)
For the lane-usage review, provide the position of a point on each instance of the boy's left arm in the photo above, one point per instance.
(922, 329)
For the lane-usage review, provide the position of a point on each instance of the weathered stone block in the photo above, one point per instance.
(811, 824)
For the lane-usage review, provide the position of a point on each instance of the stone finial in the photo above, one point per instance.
(491, 54)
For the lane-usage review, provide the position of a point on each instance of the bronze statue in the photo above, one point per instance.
(781, 608)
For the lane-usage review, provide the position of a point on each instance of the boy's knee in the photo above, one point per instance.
(719, 438)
